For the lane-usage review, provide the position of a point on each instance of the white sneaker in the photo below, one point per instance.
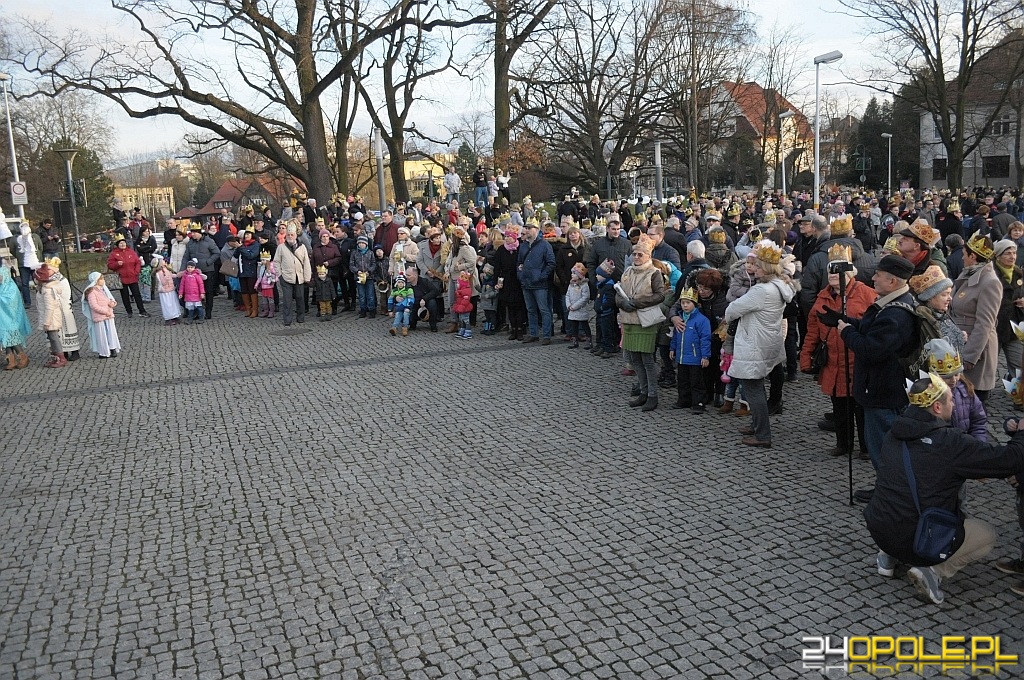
(886, 564)
(927, 583)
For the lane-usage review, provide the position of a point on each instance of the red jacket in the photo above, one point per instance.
(859, 296)
(463, 298)
(126, 263)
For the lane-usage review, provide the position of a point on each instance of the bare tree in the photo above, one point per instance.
(473, 128)
(940, 46)
(286, 59)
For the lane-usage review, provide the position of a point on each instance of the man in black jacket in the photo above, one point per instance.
(427, 295)
(942, 458)
(205, 251)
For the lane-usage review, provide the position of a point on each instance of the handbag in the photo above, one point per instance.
(229, 268)
(650, 316)
(819, 356)
(113, 280)
(936, 527)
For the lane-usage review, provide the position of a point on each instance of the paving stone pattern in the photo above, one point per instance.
(220, 502)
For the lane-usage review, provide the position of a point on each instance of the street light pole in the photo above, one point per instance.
(4, 77)
(888, 183)
(378, 150)
(785, 115)
(826, 58)
(69, 155)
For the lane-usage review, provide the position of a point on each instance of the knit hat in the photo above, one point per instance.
(364, 239)
(712, 216)
(929, 283)
(981, 246)
(580, 269)
(192, 263)
(923, 232)
(897, 265)
(842, 226)
(404, 229)
(1001, 246)
(400, 281)
(943, 360)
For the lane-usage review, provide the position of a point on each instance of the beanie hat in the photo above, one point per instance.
(1002, 246)
(364, 239)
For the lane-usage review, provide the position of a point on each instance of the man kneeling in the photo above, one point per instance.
(939, 458)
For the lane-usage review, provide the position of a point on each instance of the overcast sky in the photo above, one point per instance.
(814, 17)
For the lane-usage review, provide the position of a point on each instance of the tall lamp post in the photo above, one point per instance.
(69, 155)
(827, 58)
(782, 143)
(378, 151)
(888, 182)
(4, 77)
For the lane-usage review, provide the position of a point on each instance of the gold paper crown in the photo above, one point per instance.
(183, 223)
(936, 389)
(954, 206)
(839, 252)
(264, 254)
(319, 220)
(735, 210)
(689, 294)
(947, 364)
(768, 251)
(505, 217)
(1015, 388)
(892, 245)
(601, 222)
(716, 235)
(713, 214)
(321, 269)
(532, 222)
(842, 226)
(979, 247)
(118, 238)
(52, 262)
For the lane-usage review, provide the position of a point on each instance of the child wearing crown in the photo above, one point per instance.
(463, 304)
(690, 351)
(169, 307)
(266, 279)
(324, 293)
(578, 307)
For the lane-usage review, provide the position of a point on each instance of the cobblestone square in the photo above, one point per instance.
(223, 502)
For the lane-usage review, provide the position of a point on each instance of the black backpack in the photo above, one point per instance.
(925, 329)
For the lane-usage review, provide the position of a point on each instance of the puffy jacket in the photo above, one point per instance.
(293, 266)
(248, 259)
(877, 340)
(463, 297)
(760, 340)
(942, 458)
(968, 413)
(205, 251)
(577, 301)
(694, 343)
(602, 249)
(363, 261)
(537, 263)
(126, 263)
(832, 378)
(329, 256)
(191, 288)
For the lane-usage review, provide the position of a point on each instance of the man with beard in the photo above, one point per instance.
(612, 247)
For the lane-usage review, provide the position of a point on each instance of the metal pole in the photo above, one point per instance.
(817, 127)
(379, 152)
(889, 181)
(10, 139)
(74, 209)
(657, 171)
(608, 182)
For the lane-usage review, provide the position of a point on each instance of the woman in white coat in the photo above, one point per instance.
(760, 343)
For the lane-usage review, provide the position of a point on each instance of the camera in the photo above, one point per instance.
(839, 266)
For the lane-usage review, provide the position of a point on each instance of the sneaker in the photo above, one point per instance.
(1018, 588)
(886, 564)
(927, 583)
(545, 341)
(1008, 565)
(698, 409)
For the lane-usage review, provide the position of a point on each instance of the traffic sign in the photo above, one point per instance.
(19, 193)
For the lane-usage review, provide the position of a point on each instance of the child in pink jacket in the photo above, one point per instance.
(193, 291)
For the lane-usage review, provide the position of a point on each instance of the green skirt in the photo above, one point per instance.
(636, 338)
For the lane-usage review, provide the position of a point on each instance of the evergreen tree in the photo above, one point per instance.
(465, 166)
(868, 154)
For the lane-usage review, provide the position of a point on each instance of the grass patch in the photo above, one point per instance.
(80, 264)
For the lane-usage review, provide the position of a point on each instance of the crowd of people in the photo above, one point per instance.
(724, 300)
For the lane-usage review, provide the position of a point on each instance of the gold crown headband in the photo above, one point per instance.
(936, 389)
(689, 294)
(767, 251)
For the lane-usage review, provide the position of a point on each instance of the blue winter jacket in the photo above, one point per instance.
(694, 343)
(537, 264)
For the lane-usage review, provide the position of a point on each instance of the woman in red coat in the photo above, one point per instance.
(832, 378)
(125, 262)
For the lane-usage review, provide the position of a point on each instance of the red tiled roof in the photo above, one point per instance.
(752, 101)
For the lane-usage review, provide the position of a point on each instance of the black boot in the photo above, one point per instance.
(652, 403)
(719, 400)
(640, 400)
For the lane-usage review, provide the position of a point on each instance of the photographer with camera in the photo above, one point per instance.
(825, 355)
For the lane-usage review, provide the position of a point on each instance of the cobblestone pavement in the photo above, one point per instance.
(222, 502)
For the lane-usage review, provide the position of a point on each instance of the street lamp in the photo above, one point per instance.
(827, 58)
(782, 143)
(4, 77)
(888, 184)
(69, 155)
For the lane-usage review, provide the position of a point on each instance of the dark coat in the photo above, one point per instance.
(248, 259)
(815, 274)
(602, 249)
(1008, 311)
(955, 263)
(942, 458)
(536, 264)
(877, 340)
(205, 251)
(566, 258)
(329, 256)
(506, 265)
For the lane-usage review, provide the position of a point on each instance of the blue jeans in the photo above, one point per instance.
(452, 197)
(538, 309)
(366, 294)
(401, 318)
(877, 422)
(26, 277)
(480, 196)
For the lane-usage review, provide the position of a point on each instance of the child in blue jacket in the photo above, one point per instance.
(691, 352)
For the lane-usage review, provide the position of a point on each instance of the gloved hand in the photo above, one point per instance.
(830, 318)
(628, 306)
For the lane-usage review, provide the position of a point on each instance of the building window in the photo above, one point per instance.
(939, 168)
(995, 166)
(1001, 126)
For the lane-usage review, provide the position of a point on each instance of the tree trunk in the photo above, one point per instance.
(341, 160)
(502, 103)
(320, 184)
(396, 166)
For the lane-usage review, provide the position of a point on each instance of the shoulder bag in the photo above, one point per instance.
(229, 268)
